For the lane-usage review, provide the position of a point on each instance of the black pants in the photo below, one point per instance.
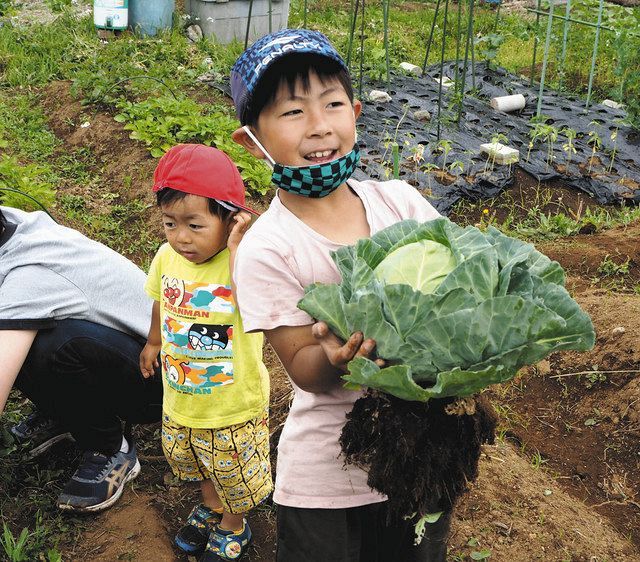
(87, 376)
(357, 534)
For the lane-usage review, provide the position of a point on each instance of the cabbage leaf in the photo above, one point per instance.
(452, 309)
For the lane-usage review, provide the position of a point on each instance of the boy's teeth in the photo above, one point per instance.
(322, 154)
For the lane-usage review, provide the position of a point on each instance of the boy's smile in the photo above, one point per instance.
(191, 229)
(308, 127)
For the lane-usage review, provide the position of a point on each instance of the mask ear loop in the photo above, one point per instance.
(272, 162)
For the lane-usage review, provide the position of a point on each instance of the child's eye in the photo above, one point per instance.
(195, 226)
(168, 224)
(336, 104)
(292, 112)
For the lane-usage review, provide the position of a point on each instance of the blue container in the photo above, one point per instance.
(147, 17)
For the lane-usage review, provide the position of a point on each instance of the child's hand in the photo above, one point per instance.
(149, 359)
(242, 222)
(339, 353)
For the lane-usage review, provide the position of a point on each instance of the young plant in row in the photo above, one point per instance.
(595, 142)
(569, 147)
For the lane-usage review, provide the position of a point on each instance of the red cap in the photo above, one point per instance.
(201, 170)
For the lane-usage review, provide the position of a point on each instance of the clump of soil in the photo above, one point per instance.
(417, 453)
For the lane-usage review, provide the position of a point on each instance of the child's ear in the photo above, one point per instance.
(357, 108)
(241, 137)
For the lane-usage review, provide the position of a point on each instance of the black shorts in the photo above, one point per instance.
(356, 534)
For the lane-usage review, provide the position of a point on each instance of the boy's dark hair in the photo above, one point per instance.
(167, 196)
(3, 222)
(290, 69)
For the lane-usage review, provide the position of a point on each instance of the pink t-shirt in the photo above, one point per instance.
(278, 257)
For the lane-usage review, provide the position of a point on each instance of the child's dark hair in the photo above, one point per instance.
(166, 196)
(289, 70)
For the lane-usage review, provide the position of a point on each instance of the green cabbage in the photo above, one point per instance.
(423, 265)
(452, 309)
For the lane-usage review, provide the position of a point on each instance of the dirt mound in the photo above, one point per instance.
(125, 166)
(521, 514)
(609, 259)
(131, 530)
(578, 414)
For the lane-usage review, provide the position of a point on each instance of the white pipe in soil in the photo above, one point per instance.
(508, 103)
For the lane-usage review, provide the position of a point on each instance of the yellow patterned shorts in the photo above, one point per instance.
(235, 458)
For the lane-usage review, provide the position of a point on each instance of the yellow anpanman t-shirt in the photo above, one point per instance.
(212, 370)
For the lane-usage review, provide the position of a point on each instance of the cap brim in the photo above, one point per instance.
(248, 209)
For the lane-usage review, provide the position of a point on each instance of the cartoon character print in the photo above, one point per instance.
(209, 336)
(173, 290)
(174, 368)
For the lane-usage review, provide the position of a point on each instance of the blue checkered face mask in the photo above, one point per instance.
(317, 180)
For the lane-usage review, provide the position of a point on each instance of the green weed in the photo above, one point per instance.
(123, 226)
(57, 6)
(23, 186)
(29, 545)
(162, 122)
(13, 547)
(610, 268)
(537, 460)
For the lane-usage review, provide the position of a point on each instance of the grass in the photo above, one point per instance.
(121, 225)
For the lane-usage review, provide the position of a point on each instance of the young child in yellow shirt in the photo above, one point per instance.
(216, 388)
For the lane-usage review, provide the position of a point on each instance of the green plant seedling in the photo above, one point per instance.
(537, 460)
(484, 554)
(428, 168)
(491, 157)
(444, 146)
(488, 46)
(14, 548)
(610, 268)
(456, 166)
(614, 138)
(595, 142)
(569, 146)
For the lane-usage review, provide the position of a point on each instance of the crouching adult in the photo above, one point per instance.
(73, 321)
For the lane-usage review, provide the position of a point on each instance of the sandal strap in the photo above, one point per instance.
(201, 515)
(229, 546)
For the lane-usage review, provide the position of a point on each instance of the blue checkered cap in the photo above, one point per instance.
(252, 64)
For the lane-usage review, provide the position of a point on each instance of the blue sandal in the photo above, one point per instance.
(193, 536)
(226, 545)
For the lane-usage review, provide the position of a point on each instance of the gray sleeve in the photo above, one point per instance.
(34, 297)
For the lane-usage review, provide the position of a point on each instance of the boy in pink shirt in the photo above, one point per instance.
(294, 98)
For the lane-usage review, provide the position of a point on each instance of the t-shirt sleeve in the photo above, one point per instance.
(267, 288)
(34, 297)
(154, 280)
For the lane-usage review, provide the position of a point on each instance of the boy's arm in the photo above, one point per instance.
(15, 345)
(313, 356)
(241, 224)
(149, 354)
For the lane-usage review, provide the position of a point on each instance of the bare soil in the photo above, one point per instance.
(561, 485)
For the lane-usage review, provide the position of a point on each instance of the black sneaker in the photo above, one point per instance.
(99, 481)
(39, 433)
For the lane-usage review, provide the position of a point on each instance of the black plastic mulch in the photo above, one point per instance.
(470, 175)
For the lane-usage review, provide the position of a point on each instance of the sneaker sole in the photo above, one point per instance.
(133, 473)
(44, 447)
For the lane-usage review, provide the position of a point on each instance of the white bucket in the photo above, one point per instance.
(111, 14)
(508, 103)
